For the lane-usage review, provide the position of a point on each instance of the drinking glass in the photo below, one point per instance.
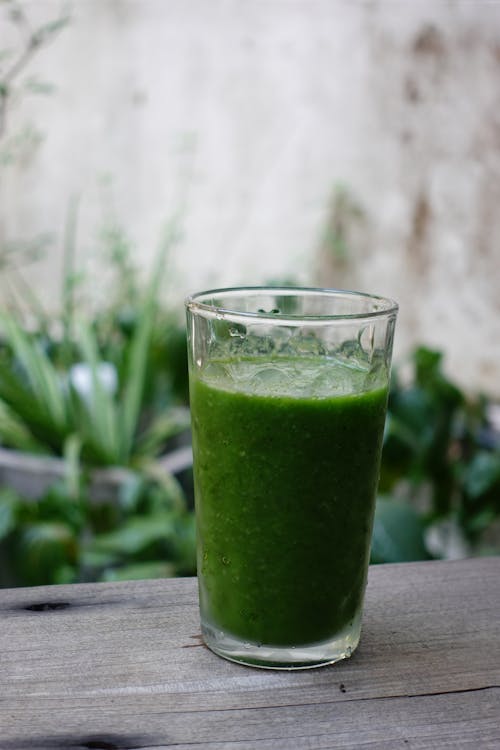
(288, 392)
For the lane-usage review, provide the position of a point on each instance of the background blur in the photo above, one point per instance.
(334, 143)
(153, 148)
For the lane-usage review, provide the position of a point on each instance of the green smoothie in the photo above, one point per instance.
(286, 460)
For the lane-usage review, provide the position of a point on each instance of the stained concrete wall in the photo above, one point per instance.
(246, 117)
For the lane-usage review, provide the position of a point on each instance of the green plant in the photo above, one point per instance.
(47, 405)
(65, 537)
(441, 463)
(109, 391)
(104, 389)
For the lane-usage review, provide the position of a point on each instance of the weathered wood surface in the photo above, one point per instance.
(121, 666)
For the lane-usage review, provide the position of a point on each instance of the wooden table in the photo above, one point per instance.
(122, 666)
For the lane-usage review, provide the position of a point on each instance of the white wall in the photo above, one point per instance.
(245, 115)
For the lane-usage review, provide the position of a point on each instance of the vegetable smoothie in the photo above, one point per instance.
(286, 461)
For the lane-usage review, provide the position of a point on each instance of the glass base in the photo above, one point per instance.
(341, 646)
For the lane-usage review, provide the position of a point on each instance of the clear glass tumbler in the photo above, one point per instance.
(288, 391)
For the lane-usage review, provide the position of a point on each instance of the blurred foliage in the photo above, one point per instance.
(440, 474)
(145, 531)
(109, 389)
(106, 391)
(398, 533)
(108, 386)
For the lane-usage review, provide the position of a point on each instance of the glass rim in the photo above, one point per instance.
(194, 303)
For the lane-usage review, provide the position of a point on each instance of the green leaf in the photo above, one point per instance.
(43, 34)
(9, 503)
(65, 574)
(397, 533)
(93, 560)
(69, 279)
(99, 412)
(15, 434)
(427, 363)
(161, 429)
(94, 449)
(480, 521)
(184, 547)
(135, 376)
(171, 490)
(131, 491)
(400, 448)
(72, 469)
(40, 372)
(413, 408)
(25, 404)
(482, 474)
(136, 534)
(43, 548)
(429, 376)
(56, 506)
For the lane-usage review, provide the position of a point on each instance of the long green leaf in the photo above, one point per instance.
(15, 433)
(68, 283)
(9, 503)
(27, 406)
(40, 372)
(137, 362)
(72, 469)
(94, 449)
(165, 426)
(102, 428)
(136, 534)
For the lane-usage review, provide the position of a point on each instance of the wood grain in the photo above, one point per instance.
(121, 665)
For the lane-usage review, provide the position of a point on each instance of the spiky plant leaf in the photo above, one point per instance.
(40, 373)
(135, 372)
(99, 411)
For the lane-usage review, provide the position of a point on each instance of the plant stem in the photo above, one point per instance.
(68, 280)
(36, 39)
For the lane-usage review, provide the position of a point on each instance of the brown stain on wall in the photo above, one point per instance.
(428, 60)
(429, 41)
(418, 241)
(411, 89)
